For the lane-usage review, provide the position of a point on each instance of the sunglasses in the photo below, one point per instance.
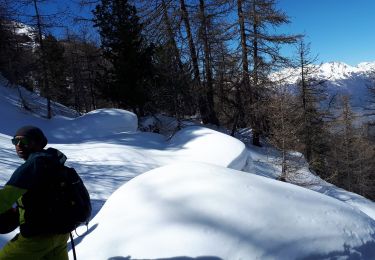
(20, 141)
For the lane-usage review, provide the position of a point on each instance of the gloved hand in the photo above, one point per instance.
(9, 220)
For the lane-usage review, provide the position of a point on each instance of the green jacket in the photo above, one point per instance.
(26, 187)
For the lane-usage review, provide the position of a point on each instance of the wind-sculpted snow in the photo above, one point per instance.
(95, 124)
(107, 163)
(60, 129)
(196, 209)
(198, 143)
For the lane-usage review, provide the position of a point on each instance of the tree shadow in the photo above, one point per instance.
(270, 247)
(144, 140)
(102, 180)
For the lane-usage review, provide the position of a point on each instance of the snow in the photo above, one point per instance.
(366, 66)
(339, 79)
(228, 214)
(198, 194)
(330, 71)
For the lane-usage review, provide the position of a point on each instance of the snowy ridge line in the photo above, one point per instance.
(331, 71)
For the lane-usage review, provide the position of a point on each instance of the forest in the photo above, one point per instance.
(208, 61)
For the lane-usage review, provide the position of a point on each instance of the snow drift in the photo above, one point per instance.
(196, 209)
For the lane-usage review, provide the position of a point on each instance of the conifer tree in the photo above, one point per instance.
(284, 122)
(208, 83)
(260, 55)
(345, 146)
(311, 94)
(351, 158)
(126, 49)
(41, 22)
(84, 64)
(173, 94)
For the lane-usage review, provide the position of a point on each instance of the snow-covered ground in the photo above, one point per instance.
(200, 194)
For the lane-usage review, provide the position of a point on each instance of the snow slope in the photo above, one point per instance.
(197, 209)
(184, 198)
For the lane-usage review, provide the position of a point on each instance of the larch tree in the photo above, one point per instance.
(215, 36)
(56, 69)
(194, 60)
(351, 161)
(283, 122)
(260, 48)
(84, 60)
(43, 60)
(208, 84)
(42, 22)
(312, 95)
(346, 159)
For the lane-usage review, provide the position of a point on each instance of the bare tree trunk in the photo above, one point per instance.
(177, 58)
(208, 68)
(197, 80)
(92, 94)
(283, 152)
(193, 53)
(245, 84)
(44, 65)
(304, 103)
(254, 95)
(171, 35)
(244, 50)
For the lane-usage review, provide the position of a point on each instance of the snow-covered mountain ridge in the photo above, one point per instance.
(330, 71)
(27, 36)
(339, 79)
(23, 29)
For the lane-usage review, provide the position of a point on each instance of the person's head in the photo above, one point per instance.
(28, 140)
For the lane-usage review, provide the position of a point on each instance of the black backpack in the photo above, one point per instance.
(59, 205)
(71, 206)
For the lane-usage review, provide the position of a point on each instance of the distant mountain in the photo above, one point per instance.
(26, 30)
(343, 79)
(26, 36)
(332, 71)
(340, 79)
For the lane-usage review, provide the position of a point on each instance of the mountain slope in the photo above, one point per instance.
(340, 79)
(155, 197)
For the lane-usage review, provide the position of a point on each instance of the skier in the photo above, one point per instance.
(25, 189)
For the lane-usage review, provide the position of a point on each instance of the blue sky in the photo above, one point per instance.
(338, 30)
